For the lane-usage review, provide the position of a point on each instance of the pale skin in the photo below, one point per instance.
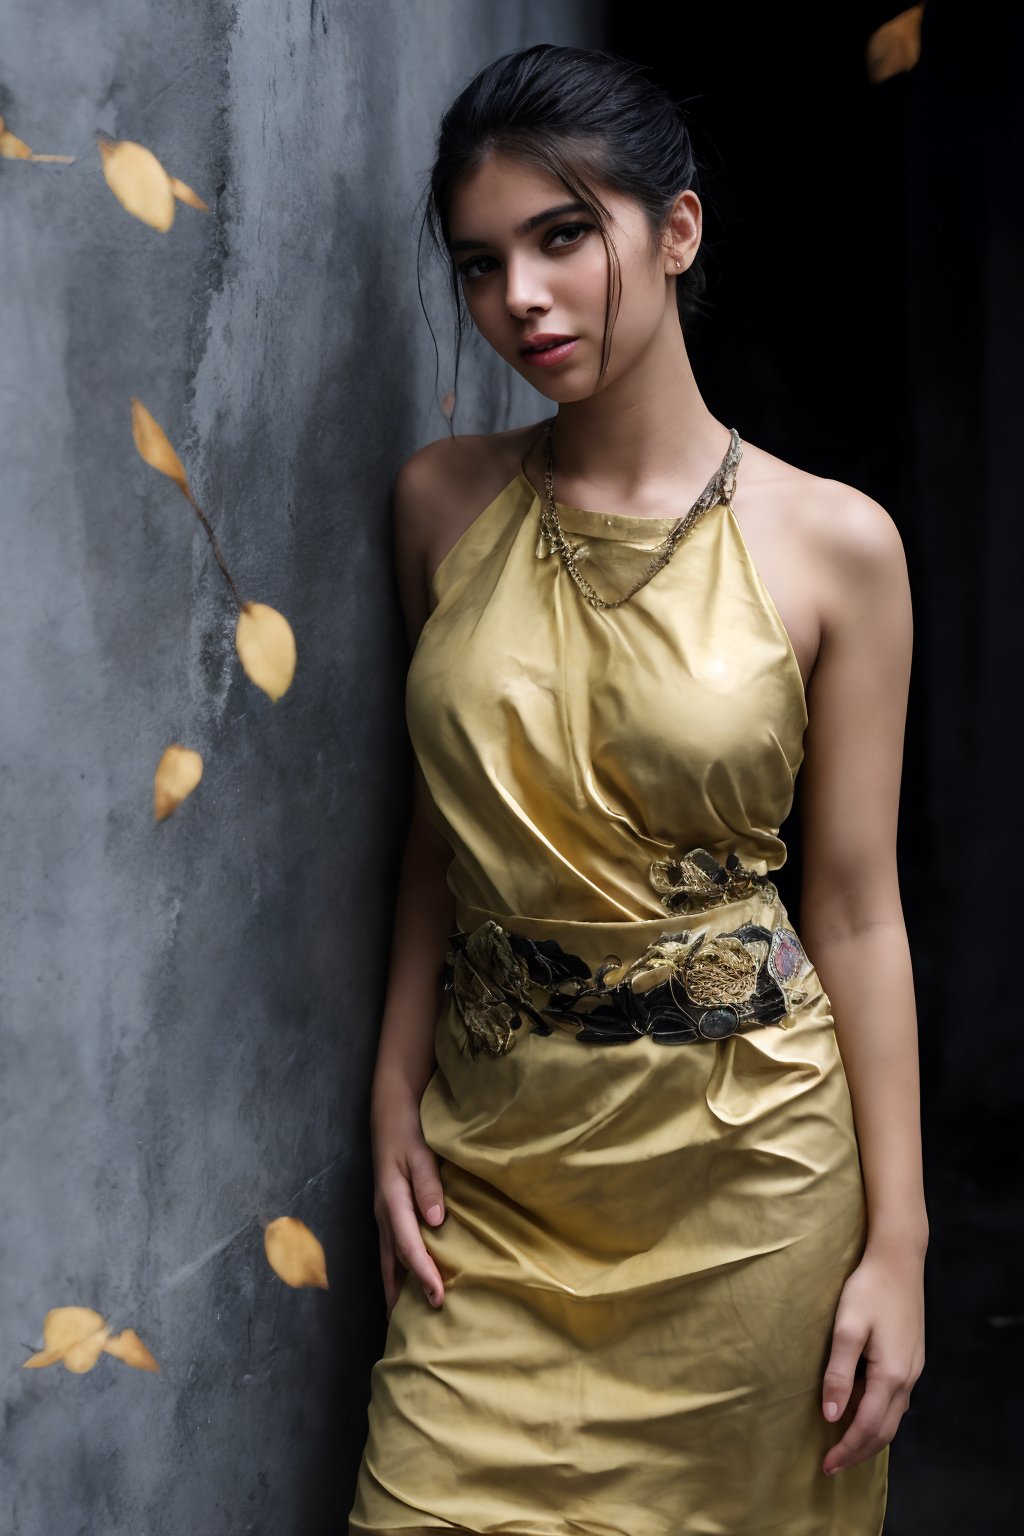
(642, 443)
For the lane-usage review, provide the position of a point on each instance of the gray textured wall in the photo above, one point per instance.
(189, 1010)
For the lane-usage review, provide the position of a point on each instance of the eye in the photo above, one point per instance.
(572, 229)
(465, 268)
(478, 266)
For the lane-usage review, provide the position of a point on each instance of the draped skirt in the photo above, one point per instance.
(646, 1235)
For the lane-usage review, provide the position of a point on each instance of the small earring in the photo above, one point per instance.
(678, 264)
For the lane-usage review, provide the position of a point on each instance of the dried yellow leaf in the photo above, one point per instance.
(294, 1253)
(153, 444)
(75, 1335)
(177, 774)
(186, 195)
(11, 147)
(138, 181)
(127, 1346)
(894, 48)
(266, 648)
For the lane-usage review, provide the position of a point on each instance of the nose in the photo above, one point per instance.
(526, 293)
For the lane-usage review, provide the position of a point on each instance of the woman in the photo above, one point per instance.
(650, 1198)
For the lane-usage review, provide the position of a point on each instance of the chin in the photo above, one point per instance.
(562, 391)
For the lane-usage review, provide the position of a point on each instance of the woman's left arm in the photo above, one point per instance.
(851, 921)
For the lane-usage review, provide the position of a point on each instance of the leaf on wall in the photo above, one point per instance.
(75, 1335)
(127, 1346)
(266, 648)
(177, 774)
(79, 1335)
(186, 195)
(294, 1253)
(13, 148)
(154, 446)
(141, 185)
(263, 637)
(895, 47)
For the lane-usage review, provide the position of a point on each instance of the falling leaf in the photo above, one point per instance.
(186, 195)
(138, 181)
(152, 442)
(294, 1253)
(177, 774)
(13, 148)
(894, 48)
(78, 1336)
(75, 1335)
(127, 1346)
(266, 648)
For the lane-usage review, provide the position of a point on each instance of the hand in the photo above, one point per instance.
(880, 1314)
(407, 1175)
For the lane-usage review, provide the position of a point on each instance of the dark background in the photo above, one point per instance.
(864, 249)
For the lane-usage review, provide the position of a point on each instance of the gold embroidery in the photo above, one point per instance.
(695, 881)
(723, 970)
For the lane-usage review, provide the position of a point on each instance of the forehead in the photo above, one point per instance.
(492, 199)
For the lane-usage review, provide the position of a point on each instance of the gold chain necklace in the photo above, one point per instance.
(720, 488)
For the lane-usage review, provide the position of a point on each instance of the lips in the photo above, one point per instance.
(548, 350)
(543, 342)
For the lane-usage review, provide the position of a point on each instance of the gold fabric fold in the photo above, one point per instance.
(566, 747)
(644, 1242)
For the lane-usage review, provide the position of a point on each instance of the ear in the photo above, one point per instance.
(682, 236)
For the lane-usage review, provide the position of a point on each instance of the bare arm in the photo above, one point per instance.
(407, 1174)
(851, 919)
(424, 913)
(851, 912)
(424, 907)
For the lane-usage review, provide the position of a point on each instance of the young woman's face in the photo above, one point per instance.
(532, 264)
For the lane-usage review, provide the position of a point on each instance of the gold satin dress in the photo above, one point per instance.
(644, 1243)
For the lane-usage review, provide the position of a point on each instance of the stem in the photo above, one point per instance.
(213, 540)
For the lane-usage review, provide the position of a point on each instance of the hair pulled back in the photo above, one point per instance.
(583, 115)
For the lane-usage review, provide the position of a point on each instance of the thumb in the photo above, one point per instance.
(837, 1383)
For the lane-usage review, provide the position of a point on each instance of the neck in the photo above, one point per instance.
(645, 431)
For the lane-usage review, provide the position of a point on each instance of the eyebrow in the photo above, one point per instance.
(526, 226)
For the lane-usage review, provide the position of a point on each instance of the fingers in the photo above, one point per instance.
(874, 1424)
(426, 1183)
(847, 1343)
(402, 1246)
(389, 1269)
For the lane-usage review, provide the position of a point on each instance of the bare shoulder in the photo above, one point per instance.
(460, 467)
(436, 494)
(846, 535)
(853, 532)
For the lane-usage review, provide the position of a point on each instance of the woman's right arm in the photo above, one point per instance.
(406, 1170)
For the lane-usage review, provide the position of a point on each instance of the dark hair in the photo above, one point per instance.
(567, 110)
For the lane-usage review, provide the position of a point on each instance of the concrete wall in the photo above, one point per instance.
(189, 1009)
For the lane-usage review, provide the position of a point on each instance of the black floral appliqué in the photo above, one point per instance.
(696, 880)
(684, 987)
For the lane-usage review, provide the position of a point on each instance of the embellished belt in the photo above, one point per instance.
(692, 985)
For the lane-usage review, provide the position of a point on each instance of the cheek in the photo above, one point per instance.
(641, 303)
(487, 307)
(584, 278)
